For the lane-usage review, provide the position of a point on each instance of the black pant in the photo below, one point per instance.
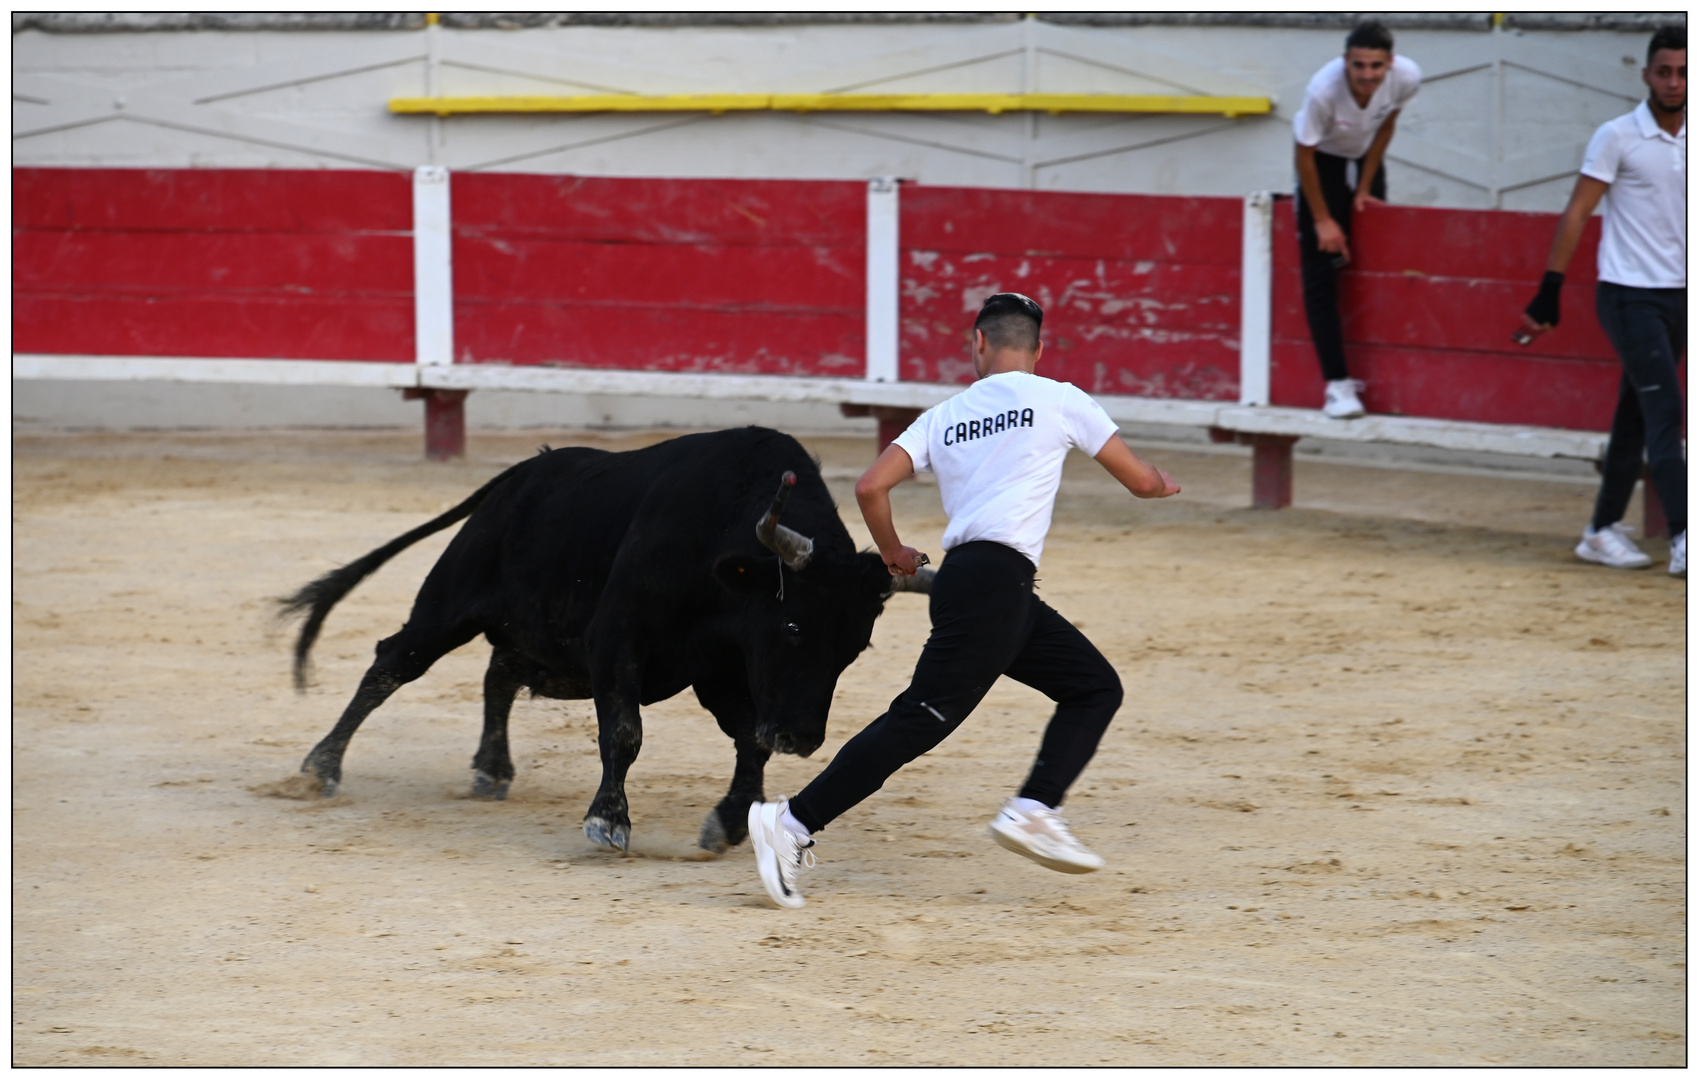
(1649, 329)
(986, 622)
(1321, 277)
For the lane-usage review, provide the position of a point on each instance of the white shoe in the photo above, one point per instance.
(1678, 555)
(1342, 403)
(1043, 837)
(1611, 547)
(779, 853)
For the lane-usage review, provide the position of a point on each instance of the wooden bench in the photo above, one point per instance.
(1272, 432)
(1427, 309)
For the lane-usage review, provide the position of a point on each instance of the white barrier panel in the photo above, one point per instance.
(882, 279)
(214, 369)
(1256, 301)
(433, 267)
(613, 382)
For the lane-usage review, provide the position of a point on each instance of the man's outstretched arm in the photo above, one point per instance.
(1139, 477)
(873, 495)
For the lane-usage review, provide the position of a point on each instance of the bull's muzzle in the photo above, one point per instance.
(779, 740)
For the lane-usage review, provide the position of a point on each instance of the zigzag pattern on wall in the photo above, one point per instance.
(1482, 132)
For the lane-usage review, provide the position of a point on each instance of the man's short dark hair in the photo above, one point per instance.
(1010, 321)
(1667, 37)
(1369, 35)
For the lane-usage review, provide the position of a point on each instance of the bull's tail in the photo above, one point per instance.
(317, 597)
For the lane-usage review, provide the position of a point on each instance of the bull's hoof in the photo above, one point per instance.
(485, 786)
(608, 835)
(713, 835)
(327, 785)
(723, 829)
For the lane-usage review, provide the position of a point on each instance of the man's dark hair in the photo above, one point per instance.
(1010, 321)
(1369, 35)
(1667, 37)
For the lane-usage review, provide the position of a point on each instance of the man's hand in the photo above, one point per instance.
(903, 561)
(1169, 487)
(1543, 311)
(1528, 331)
(1330, 237)
(1364, 200)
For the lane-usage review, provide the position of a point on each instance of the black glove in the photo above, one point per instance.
(1543, 308)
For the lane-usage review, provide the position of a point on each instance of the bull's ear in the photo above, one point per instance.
(746, 574)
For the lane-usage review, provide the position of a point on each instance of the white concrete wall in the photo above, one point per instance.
(101, 405)
(1502, 121)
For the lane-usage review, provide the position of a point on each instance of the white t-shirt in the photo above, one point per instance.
(1333, 122)
(997, 449)
(1645, 236)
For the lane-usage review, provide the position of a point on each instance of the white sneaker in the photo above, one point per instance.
(1612, 547)
(1043, 837)
(1342, 403)
(1678, 555)
(779, 854)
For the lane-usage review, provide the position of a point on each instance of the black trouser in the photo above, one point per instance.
(1649, 329)
(986, 622)
(1321, 277)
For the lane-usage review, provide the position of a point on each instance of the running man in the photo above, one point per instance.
(997, 449)
(1349, 115)
(1637, 164)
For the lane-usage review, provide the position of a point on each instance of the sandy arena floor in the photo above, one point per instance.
(1397, 782)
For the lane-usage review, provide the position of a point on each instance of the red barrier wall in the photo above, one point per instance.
(215, 262)
(1429, 303)
(767, 277)
(1140, 293)
(751, 276)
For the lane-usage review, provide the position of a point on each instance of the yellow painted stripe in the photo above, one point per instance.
(720, 103)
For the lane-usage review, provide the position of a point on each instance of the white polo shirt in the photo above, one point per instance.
(1645, 236)
(1333, 122)
(997, 449)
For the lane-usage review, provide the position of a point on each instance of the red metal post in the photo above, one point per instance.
(1271, 466)
(445, 421)
(445, 424)
(893, 422)
(1271, 471)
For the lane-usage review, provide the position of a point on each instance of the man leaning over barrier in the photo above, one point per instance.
(1350, 112)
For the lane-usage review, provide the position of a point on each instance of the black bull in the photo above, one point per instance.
(627, 577)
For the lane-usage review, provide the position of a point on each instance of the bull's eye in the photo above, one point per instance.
(793, 629)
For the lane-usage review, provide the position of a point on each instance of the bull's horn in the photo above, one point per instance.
(921, 582)
(788, 544)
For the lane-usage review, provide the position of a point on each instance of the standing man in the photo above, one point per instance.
(997, 449)
(1349, 114)
(1638, 164)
